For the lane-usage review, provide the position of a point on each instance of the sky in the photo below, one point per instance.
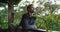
(36, 4)
(1, 8)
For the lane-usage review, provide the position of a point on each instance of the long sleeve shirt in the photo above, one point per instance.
(28, 22)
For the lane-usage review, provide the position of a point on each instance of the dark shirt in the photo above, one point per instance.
(28, 22)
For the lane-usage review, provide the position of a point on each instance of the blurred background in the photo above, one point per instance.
(47, 14)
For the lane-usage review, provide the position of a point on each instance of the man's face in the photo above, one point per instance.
(31, 9)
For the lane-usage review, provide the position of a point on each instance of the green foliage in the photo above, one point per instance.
(48, 22)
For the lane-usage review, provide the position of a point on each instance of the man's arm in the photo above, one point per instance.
(24, 21)
(21, 23)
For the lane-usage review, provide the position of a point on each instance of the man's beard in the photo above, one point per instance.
(31, 11)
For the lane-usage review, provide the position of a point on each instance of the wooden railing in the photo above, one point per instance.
(36, 30)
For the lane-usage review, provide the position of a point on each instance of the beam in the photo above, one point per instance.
(10, 21)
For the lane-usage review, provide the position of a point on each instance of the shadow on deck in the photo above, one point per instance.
(3, 30)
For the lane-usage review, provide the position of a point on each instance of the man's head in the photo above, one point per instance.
(30, 8)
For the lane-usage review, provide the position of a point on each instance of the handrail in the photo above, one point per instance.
(37, 30)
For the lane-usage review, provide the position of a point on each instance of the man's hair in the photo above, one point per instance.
(29, 6)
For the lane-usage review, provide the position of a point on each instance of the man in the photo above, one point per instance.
(28, 20)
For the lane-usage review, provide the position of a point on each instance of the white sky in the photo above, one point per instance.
(36, 4)
(1, 8)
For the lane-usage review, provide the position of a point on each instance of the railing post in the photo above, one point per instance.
(10, 9)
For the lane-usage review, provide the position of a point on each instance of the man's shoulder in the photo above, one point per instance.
(25, 14)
